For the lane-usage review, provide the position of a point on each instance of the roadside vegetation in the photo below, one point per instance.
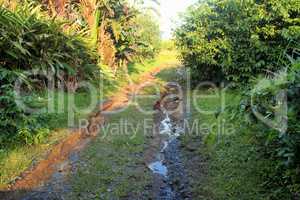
(253, 48)
(54, 46)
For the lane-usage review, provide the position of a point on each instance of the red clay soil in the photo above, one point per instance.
(77, 140)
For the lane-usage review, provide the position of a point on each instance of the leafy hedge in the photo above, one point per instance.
(280, 141)
(238, 40)
(30, 41)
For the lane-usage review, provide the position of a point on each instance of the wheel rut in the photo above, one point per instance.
(163, 157)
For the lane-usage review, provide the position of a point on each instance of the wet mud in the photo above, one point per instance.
(164, 157)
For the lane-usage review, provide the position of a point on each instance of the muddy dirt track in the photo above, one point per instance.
(48, 179)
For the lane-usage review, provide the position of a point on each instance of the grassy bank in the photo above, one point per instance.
(229, 158)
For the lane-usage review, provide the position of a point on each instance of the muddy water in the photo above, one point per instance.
(170, 182)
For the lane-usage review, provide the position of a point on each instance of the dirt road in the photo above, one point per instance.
(111, 165)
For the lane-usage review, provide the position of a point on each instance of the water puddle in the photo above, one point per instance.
(166, 144)
(159, 168)
(170, 182)
(166, 126)
(169, 132)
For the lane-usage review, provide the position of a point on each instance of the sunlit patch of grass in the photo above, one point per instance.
(17, 159)
(66, 104)
(165, 60)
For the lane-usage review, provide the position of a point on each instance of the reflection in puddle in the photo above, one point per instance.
(166, 126)
(159, 168)
(164, 147)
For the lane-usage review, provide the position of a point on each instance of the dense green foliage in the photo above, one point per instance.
(237, 40)
(254, 45)
(150, 34)
(15, 125)
(279, 140)
(123, 33)
(30, 42)
(73, 45)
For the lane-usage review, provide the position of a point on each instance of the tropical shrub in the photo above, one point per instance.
(238, 40)
(68, 40)
(278, 130)
(124, 34)
(17, 126)
(32, 42)
(29, 41)
(148, 33)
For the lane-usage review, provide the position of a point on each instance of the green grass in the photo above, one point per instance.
(233, 167)
(113, 165)
(165, 59)
(15, 160)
